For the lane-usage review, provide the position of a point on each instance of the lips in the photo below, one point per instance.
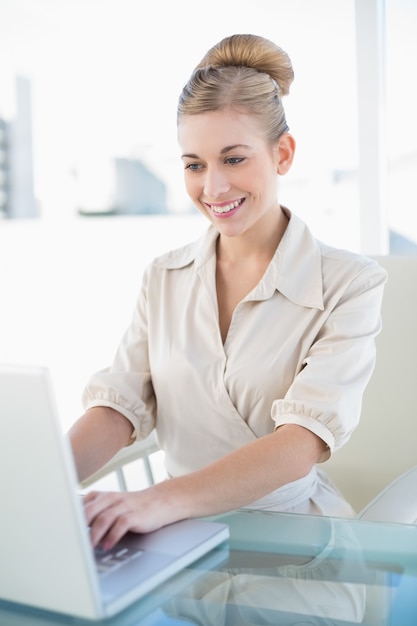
(225, 208)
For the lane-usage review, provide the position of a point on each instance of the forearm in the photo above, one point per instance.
(96, 437)
(234, 481)
(246, 474)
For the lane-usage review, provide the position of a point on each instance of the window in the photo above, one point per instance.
(105, 80)
(401, 53)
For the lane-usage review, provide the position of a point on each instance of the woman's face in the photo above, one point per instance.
(230, 170)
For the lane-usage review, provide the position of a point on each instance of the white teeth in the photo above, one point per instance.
(226, 207)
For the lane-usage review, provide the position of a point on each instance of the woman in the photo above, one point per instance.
(249, 350)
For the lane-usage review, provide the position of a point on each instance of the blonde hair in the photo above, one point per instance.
(247, 73)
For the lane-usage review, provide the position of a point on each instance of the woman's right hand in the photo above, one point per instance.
(110, 515)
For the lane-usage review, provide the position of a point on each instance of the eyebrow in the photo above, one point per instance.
(222, 151)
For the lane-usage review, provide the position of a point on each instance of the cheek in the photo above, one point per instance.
(260, 185)
(266, 182)
(191, 185)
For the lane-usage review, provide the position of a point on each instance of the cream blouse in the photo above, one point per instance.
(300, 349)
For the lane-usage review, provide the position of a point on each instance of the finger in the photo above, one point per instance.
(104, 520)
(100, 502)
(117, 530)
(89, 497)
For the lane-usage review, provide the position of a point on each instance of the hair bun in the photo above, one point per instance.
(255, 52)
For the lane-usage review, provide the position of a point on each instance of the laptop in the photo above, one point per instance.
(47, 561)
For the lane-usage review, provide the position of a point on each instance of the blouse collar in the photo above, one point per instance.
(295, 269)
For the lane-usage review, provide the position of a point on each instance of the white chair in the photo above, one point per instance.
(396, 503)
(383, 447)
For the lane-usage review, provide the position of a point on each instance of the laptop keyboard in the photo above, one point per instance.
(109, 560)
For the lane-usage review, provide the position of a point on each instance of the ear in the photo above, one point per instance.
(285, 152)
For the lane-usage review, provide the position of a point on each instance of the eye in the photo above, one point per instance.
(193, 167)
(234, 160)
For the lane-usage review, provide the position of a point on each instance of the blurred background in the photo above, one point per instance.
(91, 183)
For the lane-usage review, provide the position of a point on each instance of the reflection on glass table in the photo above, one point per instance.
(282, 569)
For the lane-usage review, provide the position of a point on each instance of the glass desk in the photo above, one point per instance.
(280, 569)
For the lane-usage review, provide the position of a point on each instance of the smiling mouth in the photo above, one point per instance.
(225, 208)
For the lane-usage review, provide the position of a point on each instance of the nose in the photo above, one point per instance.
(215, 182)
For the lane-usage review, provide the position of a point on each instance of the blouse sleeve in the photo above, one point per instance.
(126, 385)
(326, 395)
